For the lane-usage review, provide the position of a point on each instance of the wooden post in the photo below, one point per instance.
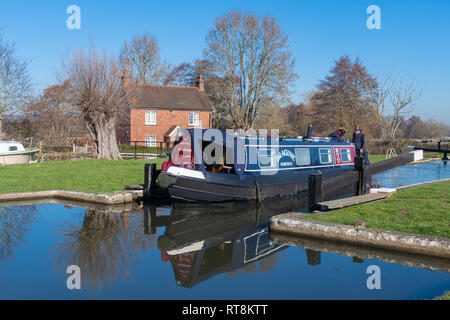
(360, 164)
(40, 152)
(160, 148)
(314, 190)
(135, 149)
(149, 180)
(445, 157)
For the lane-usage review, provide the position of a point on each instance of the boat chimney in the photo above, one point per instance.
(308, 133)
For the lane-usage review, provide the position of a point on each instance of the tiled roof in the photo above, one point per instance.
(170, 97)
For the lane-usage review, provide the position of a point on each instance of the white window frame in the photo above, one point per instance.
(150, 118)
(150, 141)
(298, 158)
(330, 158)
(195, 122)
(348, 152)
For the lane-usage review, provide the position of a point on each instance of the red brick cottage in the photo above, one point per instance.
(157, 112)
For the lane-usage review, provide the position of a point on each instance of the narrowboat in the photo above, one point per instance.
(222, 166)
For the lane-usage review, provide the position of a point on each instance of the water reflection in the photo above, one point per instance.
(193, 243)
(201, 241)
(314, 248)
(15, 223)
(103, 244)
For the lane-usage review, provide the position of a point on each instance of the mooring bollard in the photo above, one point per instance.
(149, 180)
(360, 164)
(314, 190)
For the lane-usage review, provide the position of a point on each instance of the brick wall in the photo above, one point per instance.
(164, 120)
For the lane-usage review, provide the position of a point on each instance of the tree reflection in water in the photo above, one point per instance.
(104, 245)
(15, 222)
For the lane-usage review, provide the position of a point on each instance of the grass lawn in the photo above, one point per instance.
(376, 157)
(99, 176)
(420, 210)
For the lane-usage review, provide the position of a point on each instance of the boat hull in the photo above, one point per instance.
(217, 187)
(17, 157)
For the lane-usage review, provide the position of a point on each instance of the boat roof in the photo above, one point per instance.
(260, 138)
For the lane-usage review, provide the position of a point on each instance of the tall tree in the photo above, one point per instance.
(15, 84)
(250, 55)
(142, 58)
(99, 93)
(344, 97)
(397, 96)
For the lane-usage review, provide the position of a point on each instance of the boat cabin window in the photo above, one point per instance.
(325, 156)
(13, 148)
(302, 157)
(346, 155)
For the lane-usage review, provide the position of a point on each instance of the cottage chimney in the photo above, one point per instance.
(125, 77)
(200, 83)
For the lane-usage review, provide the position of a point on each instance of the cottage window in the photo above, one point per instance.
(150, 141)
(325, 156)
(150, 118)
(193, 119)
(302, 157)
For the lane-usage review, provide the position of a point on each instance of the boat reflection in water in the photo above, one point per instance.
(201, 241)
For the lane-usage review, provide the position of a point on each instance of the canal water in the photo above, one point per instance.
(187, 251)
(412, 174)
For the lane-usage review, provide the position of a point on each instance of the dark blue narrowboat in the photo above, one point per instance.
(215, 167)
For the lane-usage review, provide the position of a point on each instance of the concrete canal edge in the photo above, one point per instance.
(293, 224)
(118, 197)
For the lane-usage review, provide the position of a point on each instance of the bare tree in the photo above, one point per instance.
(399, 97)
(251, 56)
(183, 74)
(53, 117)
(15, 84)
(141, 57)
(99, 93)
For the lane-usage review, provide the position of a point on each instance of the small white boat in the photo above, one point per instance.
(12, 152)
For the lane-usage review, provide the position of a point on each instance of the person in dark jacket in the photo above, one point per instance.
(337, 134)
(359, 141)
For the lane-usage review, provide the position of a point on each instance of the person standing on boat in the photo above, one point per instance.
(337, 134)
(359, 141)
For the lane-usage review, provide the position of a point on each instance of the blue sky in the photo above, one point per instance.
(413, 41)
